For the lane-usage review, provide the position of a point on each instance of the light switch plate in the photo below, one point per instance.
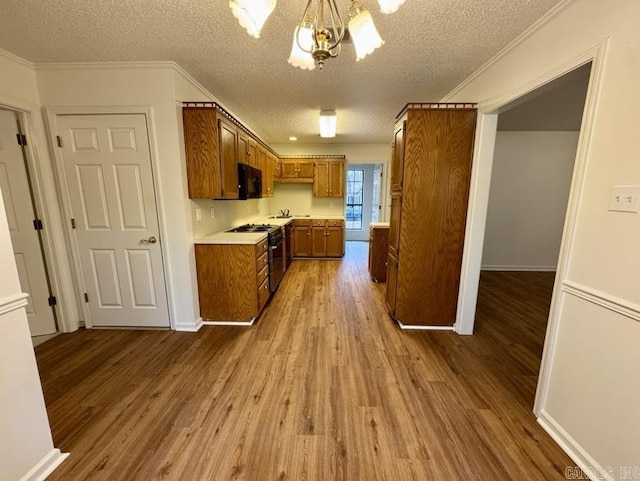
(625, 198)
(198, 215)
(212, 213)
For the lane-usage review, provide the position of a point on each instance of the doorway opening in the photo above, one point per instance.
(25, 227)
(363, 199)
(533, 165)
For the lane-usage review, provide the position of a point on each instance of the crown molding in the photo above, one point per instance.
(13, 57)
(510, 46)
(105, 65)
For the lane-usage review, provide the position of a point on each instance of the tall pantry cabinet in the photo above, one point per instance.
(430, 176)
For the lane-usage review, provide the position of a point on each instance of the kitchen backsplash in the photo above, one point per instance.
(226, 214)
(299, 199)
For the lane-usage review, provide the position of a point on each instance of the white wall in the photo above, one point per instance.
(25, 436)
(530, 185)
(227, 214)
(591, 362)
(149, 85)
(299, 199)
(19, 91)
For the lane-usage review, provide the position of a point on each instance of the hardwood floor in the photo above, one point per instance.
(323, 387)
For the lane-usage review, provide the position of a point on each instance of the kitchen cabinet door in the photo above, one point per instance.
(336, 179)
(321, 179)
(302, 241)
(394, 223)
(318, 241)
(253, 159)
(305, 169)
(288, 170)
(392, 280)
(397, 159)
(334, 241)
(228, 159)
(243, 147)
(204, 177)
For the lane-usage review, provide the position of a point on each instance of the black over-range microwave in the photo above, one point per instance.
(249, 181)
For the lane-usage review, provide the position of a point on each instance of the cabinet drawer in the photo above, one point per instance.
(334, 223)
(262, 262)
(263, 294)
(318, 222)
(302, 223)
(263, 275)
(261, 248)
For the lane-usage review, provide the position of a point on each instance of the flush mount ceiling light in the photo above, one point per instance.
(328, 121)
(321, 30)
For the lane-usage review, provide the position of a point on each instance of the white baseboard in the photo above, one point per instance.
(230, 323)
(512, 268)
(46, 466)
(576, 452)
(409, 327)
(191, 327)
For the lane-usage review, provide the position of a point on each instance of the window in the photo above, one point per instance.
(355, 184)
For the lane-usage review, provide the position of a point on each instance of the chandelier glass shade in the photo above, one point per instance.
(252, 14)
(321, 30)
(363, 31)
(389, 6)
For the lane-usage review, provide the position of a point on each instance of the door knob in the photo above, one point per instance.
(150, 240)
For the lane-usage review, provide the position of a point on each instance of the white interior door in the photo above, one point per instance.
(16, 196)
(107, 166)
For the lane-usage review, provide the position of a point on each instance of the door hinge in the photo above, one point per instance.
(59, 140)
(86, 297)
(53, 301)
(73, 223)
(37, 224)
(22, 139)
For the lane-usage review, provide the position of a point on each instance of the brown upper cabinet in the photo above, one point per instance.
(269, 173)
(247, 150)
(211, 147)
(296, 170)
(328, 179)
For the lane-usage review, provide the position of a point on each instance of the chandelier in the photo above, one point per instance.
(321, 30)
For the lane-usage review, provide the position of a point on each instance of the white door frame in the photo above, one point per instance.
(43, 186)
(52, 114)
(479, 195)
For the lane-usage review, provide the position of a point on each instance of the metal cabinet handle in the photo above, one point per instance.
(150, 240)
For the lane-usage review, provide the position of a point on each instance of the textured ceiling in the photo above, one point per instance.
(431, 46)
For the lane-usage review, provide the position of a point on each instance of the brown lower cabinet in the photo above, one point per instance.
(378, 252)
(318, 238)
(233, 280)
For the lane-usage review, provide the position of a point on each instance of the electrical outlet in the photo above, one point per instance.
(331, 203)
(625, 198)
(212, 213)
(198, 215)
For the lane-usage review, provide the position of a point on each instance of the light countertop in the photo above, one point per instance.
(232, 238)
(379, 225)
(254, 237)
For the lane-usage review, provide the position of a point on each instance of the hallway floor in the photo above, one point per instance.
(324, 387)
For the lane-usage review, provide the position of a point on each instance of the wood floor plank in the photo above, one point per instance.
(323, 387)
